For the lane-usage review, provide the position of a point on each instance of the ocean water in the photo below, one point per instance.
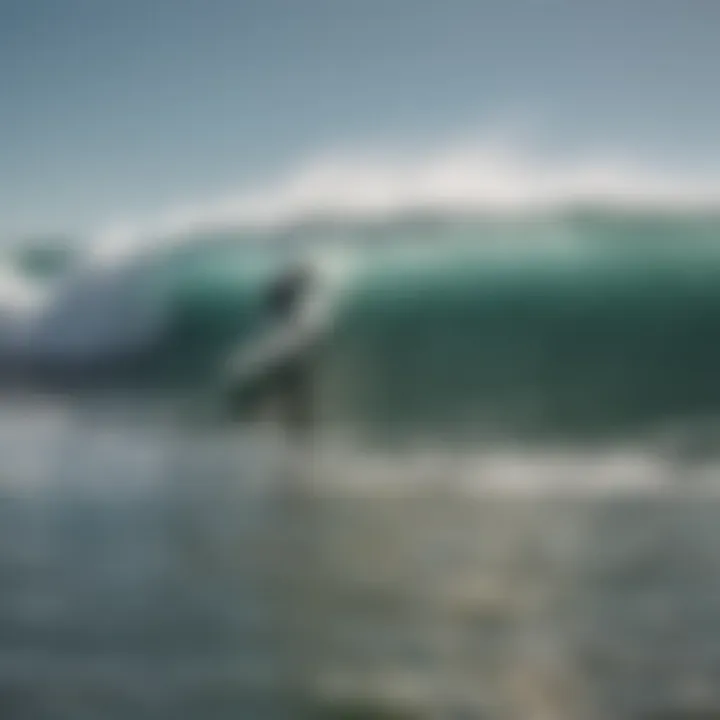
(153, 570)
(507, 506)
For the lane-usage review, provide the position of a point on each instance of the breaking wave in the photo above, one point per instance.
(488, 289)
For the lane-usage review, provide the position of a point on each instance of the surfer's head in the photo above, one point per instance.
(285, 294)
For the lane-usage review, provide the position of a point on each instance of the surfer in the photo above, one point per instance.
(272, 376)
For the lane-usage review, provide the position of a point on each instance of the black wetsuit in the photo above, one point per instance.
(287, 383)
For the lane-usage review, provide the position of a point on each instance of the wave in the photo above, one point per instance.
(487, 289)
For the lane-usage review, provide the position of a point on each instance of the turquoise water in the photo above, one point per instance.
(535, 344)
(578, 323)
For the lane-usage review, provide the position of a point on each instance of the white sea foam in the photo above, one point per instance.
(20, 300)
(466, 177)
(514, 472)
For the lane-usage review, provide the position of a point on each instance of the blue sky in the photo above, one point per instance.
(114, 108)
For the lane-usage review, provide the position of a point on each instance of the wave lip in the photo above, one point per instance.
(485, 177)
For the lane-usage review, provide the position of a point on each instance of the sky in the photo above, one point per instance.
(117, 109)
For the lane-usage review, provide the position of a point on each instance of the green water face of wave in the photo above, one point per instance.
(585, 324)
(586, 329)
